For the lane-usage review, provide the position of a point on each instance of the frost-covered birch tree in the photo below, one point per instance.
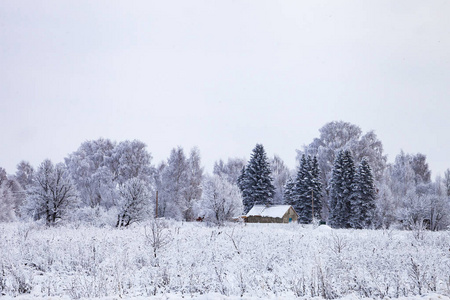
(24, 174)
(221, 200)
(7, 205)
(231, 170)
(411, 189)
(173, 181)
(130, 159)
(280, 175)
(52, 195)
(193, 191)
(447, 182)
(179, 184)
(12, 196)
(135, 203)
(91, 169)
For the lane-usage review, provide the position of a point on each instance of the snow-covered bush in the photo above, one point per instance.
(259, 260)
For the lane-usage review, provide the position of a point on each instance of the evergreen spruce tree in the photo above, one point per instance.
(298, 190)
(246, 200)
(288, 195)
(363, 197)
(256, 181)
(341, 190)
(302, 189)
(308, 190)
(317, 193)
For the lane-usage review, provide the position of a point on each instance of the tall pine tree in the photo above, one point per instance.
(308, 190)
(316, 188)
(288, 195)
(256, 181)
(363, 197)
(301, 203)
(341, 190)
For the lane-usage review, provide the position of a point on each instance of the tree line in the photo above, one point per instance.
(342, 178)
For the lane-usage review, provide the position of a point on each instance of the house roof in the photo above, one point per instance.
(274, 211)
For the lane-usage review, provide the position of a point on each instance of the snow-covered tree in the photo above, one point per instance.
(370, 148)
(100, 167)
(403, 176)
(12, 196)
(411, 189)
(230, 170)
(447, 182)
(412, 210)
(427, 207)
(241, 184)
(174, 180)
(334, 136)
(256, 182)
(135, 202)
(280, 175)
(3, 175)
(193, 190)
(91, 169)
(7, 203)
(362, 200)
(52, 194)
(179, 184)
(307, 192)
(420, 167)
(221, 200)
(300, 203)
(341, 190)
(439, 206)
(288, 195)
(386, 205)
(316, 187)
(130, 159)
(24, 174)
(339, 135)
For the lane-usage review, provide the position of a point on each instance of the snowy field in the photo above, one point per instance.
(193, 260)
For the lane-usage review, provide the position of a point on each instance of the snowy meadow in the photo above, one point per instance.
(190, 259)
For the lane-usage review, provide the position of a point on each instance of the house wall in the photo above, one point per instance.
(258, 219)
(290, 214)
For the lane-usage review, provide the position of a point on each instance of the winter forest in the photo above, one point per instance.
(366, 227)
(343, 173)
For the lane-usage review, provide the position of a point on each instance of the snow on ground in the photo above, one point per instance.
(216, 296)
(197, 261)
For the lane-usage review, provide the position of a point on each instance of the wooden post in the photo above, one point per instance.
(156, 206)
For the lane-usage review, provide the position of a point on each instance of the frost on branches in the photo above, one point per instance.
(179, 185)
(135, 203)
(52, 195)
(221, 200)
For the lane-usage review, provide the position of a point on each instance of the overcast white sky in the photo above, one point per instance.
(222, 75)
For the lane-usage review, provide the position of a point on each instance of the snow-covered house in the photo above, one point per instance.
(271, 214)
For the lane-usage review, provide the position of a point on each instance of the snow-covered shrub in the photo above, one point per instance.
(259, 260)
(93, 216)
